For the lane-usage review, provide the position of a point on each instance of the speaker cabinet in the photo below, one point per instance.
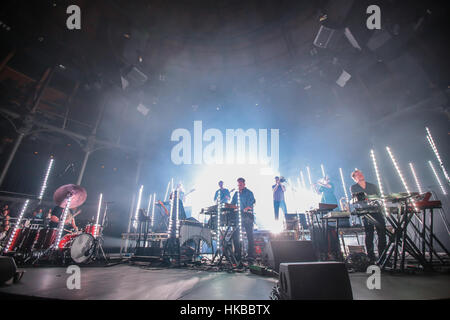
(314, 281)
(8, 269)
(279, 251)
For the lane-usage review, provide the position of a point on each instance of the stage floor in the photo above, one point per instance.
(134, 282)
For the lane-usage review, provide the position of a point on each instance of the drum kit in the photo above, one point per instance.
(34, 241)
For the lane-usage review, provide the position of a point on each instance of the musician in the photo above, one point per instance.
(247, 200)
(69, 224)
(278, 190)
(38, 214)
(224, 194)
(332, 245)
(5, 216)
(370, 189)
(326, 188)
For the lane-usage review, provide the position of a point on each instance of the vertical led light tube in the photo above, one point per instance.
(343, 185)
(219, 205)
(44, 183)
(380, 185)
(153, 210)
(171, 213)
(240, 218)
(62, 221)
(177, 221)
(13, 233)
(138, 206)
(303, 179)
(437, 178)
(436, 152)
(309, 177)
(416, 179)
(98, 214)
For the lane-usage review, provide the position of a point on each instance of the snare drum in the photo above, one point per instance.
(45, 238)
(93, 229)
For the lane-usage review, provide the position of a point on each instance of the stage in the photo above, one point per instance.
(125, 282)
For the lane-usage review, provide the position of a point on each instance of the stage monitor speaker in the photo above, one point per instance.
(8, 270)
(279, 251)
(314, 281)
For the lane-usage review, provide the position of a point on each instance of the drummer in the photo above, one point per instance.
(69, 224)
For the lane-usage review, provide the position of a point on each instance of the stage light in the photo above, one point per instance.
(169, 231)
(380, 185)
(19, 219)
(436, 152)
(98, 213)
(153, 209)
(177, 221)
(415, 178)
(397, 168)
(148, 205)
(167, 191)
(138, 206)
(240, 218)
(218, 221)
(309, 177)
(303, 179)
(437, 178)
(62, 221)
(323, 170)
(44, 183)
(343, 185)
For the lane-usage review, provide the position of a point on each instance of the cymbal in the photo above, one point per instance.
(79, 195)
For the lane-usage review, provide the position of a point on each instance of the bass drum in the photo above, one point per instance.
(82, 248)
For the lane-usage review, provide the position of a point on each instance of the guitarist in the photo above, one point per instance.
(247, 200)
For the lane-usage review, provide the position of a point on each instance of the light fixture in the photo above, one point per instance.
(437, 178)
(380, 185)
(44, 183)
(419, 187)
(13, 233)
